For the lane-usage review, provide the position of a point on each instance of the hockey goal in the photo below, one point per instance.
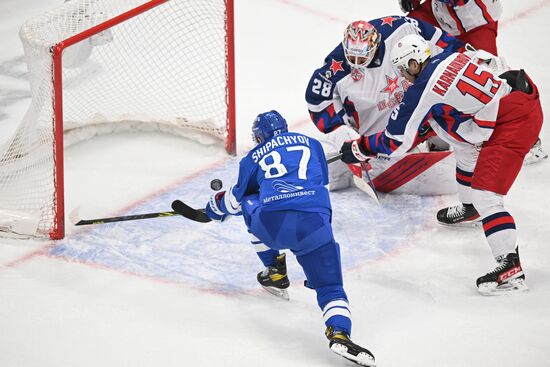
(101, 66)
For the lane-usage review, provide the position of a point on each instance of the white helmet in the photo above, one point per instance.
(410, 47)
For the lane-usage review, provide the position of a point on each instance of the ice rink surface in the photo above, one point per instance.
(169, 292)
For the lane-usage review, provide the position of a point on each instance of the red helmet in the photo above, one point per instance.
(360, 43)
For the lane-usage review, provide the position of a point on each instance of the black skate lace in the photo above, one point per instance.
(500, 267)
(456, 211)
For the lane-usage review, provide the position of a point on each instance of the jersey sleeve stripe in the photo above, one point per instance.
(485, 124)
(231, 204)
(484, 11)
(457, 20)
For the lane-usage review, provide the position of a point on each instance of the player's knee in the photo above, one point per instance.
(322, 267)
(487, 202)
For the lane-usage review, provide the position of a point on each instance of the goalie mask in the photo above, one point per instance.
(360, 43)
(268, 124)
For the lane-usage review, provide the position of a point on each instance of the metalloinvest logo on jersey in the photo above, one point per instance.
(287, 191)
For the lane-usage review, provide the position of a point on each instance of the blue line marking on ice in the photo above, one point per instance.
(219, 256)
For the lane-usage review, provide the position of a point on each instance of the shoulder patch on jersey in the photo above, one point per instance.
(388, 20)
(387, 25)
(336, 66)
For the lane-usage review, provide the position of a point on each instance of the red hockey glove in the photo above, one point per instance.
(353, 152)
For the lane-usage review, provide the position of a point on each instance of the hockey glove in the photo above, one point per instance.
(353, 152)
(409, 5)
(213, 207)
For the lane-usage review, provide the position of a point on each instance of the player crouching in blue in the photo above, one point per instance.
(282, 196)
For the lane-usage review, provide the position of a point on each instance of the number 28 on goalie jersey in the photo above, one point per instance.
(289, 171)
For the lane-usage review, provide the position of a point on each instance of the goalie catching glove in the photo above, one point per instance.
(354, 152)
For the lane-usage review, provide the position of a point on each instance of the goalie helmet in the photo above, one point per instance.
(267, 125)
(410, 47)
(360, 43)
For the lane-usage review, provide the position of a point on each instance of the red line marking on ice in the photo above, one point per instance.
(523, 14)
(43, 250)
(312, 11)
(153, 278)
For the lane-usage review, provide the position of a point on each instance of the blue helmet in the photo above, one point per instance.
(268, 124)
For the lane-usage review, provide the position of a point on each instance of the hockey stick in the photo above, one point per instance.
(197, 215)
(75, 218)
(364, 183)
(180, 208)
(334, 158)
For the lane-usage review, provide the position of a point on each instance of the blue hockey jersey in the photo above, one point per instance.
(289, 171)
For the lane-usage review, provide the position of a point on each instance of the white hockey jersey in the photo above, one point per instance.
(457, 17)
(338, 95)
(455, 96)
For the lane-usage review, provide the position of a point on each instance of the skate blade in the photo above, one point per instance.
(511, 286)
(534, 157)
(532, 160)
(466, 224)
(280, 293)
(362, 359)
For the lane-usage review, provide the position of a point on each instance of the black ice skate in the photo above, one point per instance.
(507, 277)
(461, 215)
(341, 344)
(274, 278)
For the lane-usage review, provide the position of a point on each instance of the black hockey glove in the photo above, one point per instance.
(408, 5)
(353, 152)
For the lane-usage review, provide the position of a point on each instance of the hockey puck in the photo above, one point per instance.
(216, 184)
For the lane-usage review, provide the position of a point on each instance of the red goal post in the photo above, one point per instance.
(101, 66)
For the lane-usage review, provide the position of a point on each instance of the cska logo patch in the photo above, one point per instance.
(357, 74)
(391, 86)
(389, 21)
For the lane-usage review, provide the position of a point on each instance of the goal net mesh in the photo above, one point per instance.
(164, 69)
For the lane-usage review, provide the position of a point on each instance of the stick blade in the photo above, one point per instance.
(364, 183)
(185, 210)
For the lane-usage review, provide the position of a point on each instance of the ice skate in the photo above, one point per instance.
(507, 277)
(274, 278)
(461, 215)
(536, 154)
(340, 343)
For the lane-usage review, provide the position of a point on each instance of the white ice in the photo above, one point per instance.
(169, 292)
